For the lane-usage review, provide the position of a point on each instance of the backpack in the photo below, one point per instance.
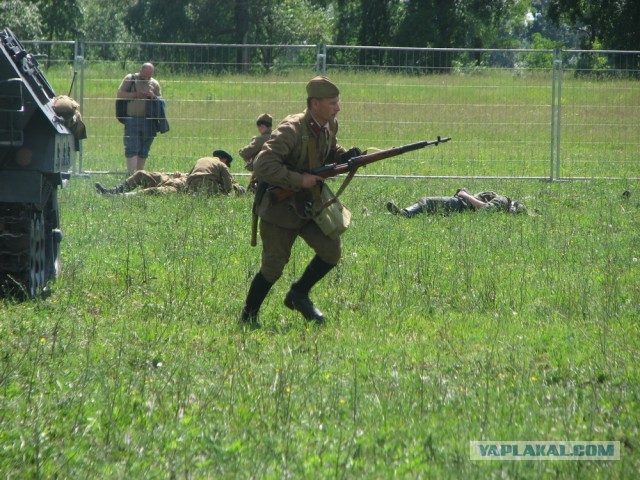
(121, 103)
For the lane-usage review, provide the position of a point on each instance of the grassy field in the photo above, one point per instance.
(501, 122)
(441, 330)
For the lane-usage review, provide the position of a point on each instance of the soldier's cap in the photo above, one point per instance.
(265, 119)
(322, 87)
(223, 154)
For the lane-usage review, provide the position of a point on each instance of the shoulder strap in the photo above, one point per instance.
(313, 163)
(310, 150)
(304, 150)
(132, 79)
(344, 185)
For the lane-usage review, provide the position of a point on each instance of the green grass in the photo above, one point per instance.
(441, 330)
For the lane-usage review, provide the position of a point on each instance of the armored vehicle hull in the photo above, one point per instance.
(36, 154)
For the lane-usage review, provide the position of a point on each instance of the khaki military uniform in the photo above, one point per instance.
(494, 201)
(155, 182)
(281, 163)
(209, 175)
(250, 151)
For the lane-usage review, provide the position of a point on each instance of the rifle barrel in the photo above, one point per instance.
(334, 169)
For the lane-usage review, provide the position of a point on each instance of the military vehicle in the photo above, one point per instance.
(36, 155)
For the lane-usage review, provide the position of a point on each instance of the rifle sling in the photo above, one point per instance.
(313, 163)
(315, 192)
(344, 185)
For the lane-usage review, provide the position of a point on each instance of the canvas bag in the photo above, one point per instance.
(121, 103)
(333, 218)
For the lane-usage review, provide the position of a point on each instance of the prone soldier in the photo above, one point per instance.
(209, 175)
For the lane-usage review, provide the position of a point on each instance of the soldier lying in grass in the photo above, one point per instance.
(209, 175)
(462, 200)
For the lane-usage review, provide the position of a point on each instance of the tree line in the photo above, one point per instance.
(583, 24)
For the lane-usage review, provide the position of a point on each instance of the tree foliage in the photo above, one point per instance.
(22, 18)
(104, 21)
(288, 22)
(468, 23)
(611, 23)
(61, 19)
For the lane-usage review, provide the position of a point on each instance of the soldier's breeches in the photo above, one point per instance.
(438, 205)
(205, 184)
(162, 190)
(145, 179)
(277, 243)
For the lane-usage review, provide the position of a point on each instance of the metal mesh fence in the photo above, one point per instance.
(599, 114)
(497, 112)
(511, 113)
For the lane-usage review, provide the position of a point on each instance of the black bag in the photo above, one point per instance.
(121, 103)
(121, 109)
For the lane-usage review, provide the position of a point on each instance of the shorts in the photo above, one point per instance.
(138, 136)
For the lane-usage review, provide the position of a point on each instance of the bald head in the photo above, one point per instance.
(146, 71)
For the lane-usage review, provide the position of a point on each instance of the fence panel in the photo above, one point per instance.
(495, 104)
(509, 115)
(214, 93)
(600, 114)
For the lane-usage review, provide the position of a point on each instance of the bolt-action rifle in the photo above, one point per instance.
(350, 166)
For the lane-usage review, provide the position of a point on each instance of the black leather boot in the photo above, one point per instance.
(257, 293)
(298, 296)
(303, 304)
(120, 188)
(408, 212)
(392, 207)
(412, 210)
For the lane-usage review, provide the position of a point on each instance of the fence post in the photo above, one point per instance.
(559, 113)
(552, 133)
(79, 60)
(556, 113)
(556, 68)
(321, 61)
